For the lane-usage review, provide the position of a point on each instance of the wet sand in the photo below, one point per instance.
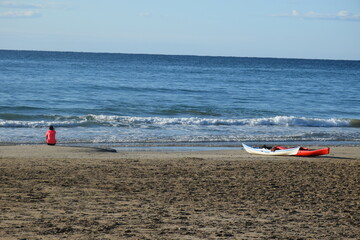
(86, 193)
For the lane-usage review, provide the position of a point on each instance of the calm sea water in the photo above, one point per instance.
(133, 99)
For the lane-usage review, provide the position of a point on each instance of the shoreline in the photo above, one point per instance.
(52, 192)
(194, 146)
(43, 151)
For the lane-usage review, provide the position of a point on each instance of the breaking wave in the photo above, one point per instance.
(139, 122)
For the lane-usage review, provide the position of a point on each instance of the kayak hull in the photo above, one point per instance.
(309, 152)
(264, 151)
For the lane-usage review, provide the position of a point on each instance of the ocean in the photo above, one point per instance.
(143, 100)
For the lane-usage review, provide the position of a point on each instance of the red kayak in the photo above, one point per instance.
(309, 152)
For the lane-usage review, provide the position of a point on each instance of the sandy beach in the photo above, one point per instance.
(90, 193)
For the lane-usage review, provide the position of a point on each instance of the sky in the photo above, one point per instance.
(313, 29)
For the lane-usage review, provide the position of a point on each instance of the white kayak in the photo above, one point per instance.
(265, 151)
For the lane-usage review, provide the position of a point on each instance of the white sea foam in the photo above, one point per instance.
(100, 129)
(276, 121)
(127, 121)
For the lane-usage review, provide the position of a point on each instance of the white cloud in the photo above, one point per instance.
(341, 15)
(17, 4)
(18, 9)
(145, 14)
(13, 4)
(20, 14)
(295, 13)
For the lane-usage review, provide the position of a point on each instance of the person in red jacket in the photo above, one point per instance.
(50, 136)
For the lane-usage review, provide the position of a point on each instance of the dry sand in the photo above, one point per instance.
(84, 193)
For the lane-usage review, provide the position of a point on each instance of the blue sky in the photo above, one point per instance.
(321, 29)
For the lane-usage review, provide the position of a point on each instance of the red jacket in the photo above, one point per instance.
(50, 137)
